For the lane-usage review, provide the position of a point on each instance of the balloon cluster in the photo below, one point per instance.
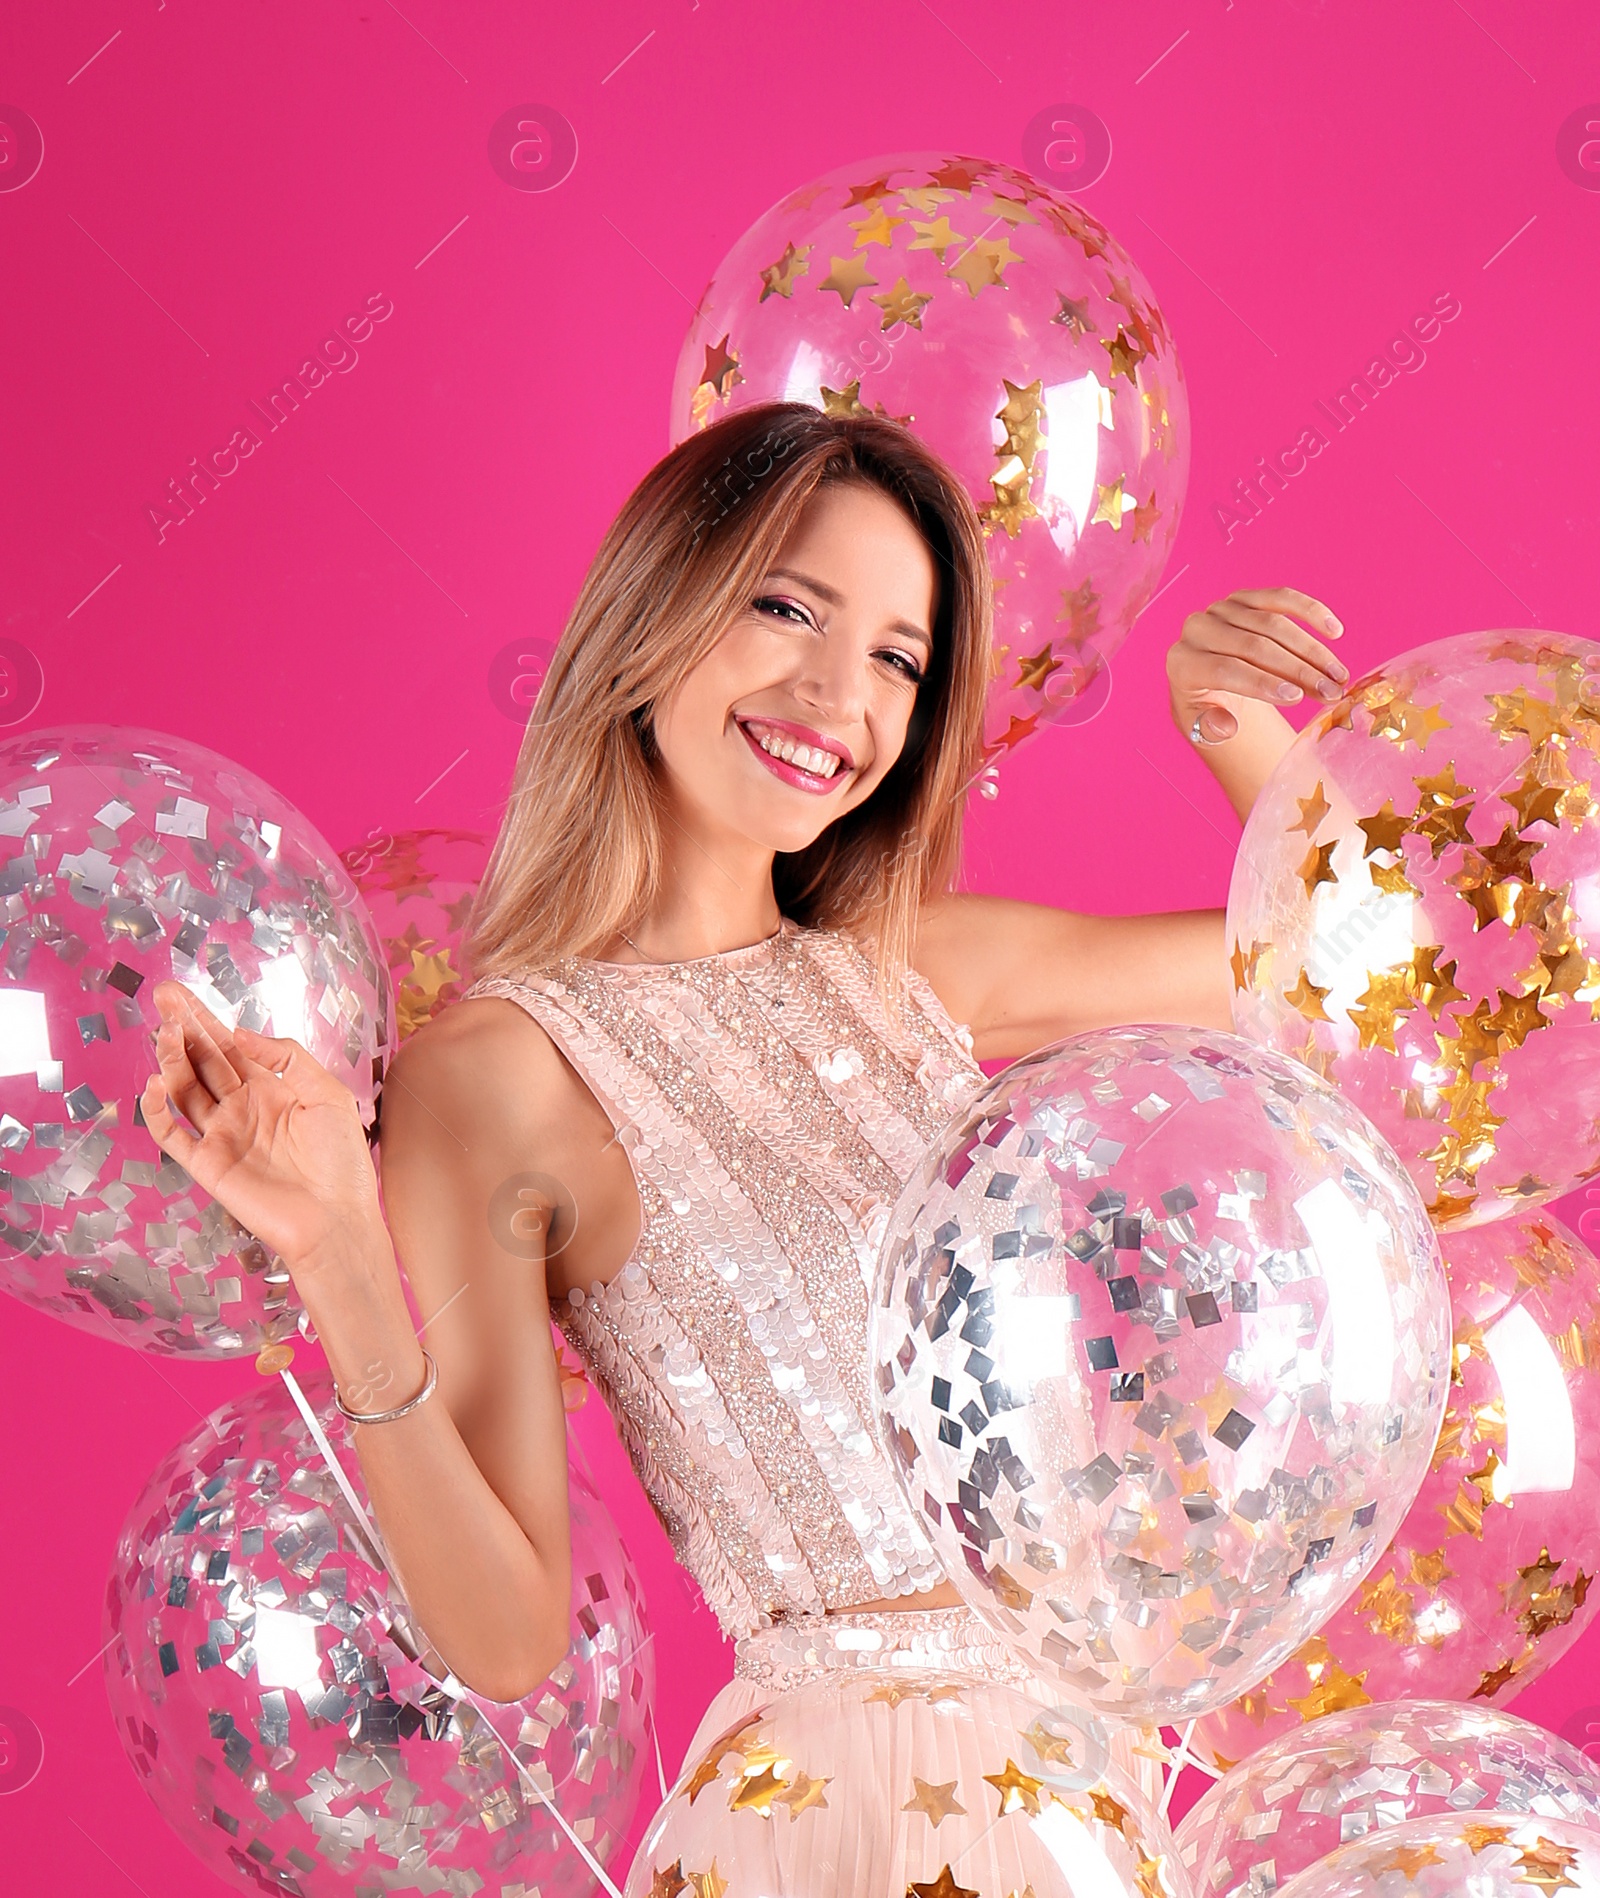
(270, 1686)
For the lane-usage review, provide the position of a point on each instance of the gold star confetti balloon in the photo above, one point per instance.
(1012, 333)
(1487, 1581)
(1159, 1347)
(126, 857)
(419, 887)
(876, 1780)
(286, 1716)
(1349, 1775)
(1414, 906)
(1461, 1855)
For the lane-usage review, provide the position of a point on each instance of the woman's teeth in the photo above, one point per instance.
(821, 764)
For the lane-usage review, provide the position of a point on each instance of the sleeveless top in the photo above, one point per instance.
(770, 1109)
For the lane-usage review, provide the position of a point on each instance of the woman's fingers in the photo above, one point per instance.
(1292, 600)
(1278, 647)
(284, 1058)
(168, 1132)
(206, 1040)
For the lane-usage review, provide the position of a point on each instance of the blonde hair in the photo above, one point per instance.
(580, 855)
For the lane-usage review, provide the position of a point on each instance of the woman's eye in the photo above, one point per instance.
(771, 604)
(903, 662)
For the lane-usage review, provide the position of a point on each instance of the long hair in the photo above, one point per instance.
(580, 854)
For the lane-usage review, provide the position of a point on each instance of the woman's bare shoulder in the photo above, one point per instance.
(490, 1063)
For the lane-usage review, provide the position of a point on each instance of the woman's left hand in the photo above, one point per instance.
(1252, 645)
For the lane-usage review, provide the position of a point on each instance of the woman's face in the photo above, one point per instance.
(801, 708)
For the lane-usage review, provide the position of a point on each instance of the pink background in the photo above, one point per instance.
(223, 185)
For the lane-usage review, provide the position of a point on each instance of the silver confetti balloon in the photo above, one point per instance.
(128, 857)
(1349, 1775)
(1160, 1345)
(1456, 1855)
(284, 1712)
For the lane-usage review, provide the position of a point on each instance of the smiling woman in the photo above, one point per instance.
(725, 996)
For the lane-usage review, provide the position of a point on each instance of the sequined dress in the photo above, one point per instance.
(771, 1109)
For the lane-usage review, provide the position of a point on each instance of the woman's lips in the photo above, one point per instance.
(802, 780)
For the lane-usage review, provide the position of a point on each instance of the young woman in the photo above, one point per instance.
(725, 996)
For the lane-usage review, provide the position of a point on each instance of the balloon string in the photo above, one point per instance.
(458, 1691)
(655, 1741)
(1182, 1758)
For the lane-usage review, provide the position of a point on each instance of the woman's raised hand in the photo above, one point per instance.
(1252, 645)
(271, 1134)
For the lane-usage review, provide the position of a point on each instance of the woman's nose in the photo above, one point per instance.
(833, 679)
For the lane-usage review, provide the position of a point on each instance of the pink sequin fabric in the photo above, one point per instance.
(771, 1109)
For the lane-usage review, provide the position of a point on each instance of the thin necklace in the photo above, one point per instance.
(779, 942)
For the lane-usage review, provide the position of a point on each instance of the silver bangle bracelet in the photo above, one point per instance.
(400, 1410)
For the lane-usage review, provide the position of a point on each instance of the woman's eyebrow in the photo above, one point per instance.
(835, 598)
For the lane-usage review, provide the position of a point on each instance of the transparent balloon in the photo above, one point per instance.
(1488, 1581)
(1463, 1855)
(419, 887)
(287, 1717)
(1349, 1775)
(132, 856)
(1413, 910)
(1013, 334)
(929, 1785)
(1159, 1348)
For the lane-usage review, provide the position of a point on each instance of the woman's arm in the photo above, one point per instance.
(1023, 974)
(469, 1489)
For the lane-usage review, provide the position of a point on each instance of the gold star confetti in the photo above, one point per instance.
(802, 1793)
(1052, 1747)
(1430, 1569)
(944, 1886)
(934, 1802)
(1517, 1017)
(755, 1791)
(1493, 1680)
(960, 174)
(779, 279)
(1534, 802)
(1335, 1692)
(1145, 516)
(669, 1881)
(1522, 711)
(722, 370)
(877, 227)
(1390, 1610)
(1113, 503)
(1383, 830)
(1478, 1836)
(1312, 811)
(1386, 995)
(847, 275)
(1109, 1811)
(1435, 986)
(1081, 605)
(901, 304)
(1397, 717)
(1410, 1859)
(1015, 1789)
(845, 401)
(1473, 1041)
(1307, 998)
(867, 193)
(709, 1884)
(982, 266)
(1021, 416)
(1546, 1865)
(1243, 965)
(1074, 315)
(1318, 866)
(1126, 353)
(1033, 670)
(937, 236)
